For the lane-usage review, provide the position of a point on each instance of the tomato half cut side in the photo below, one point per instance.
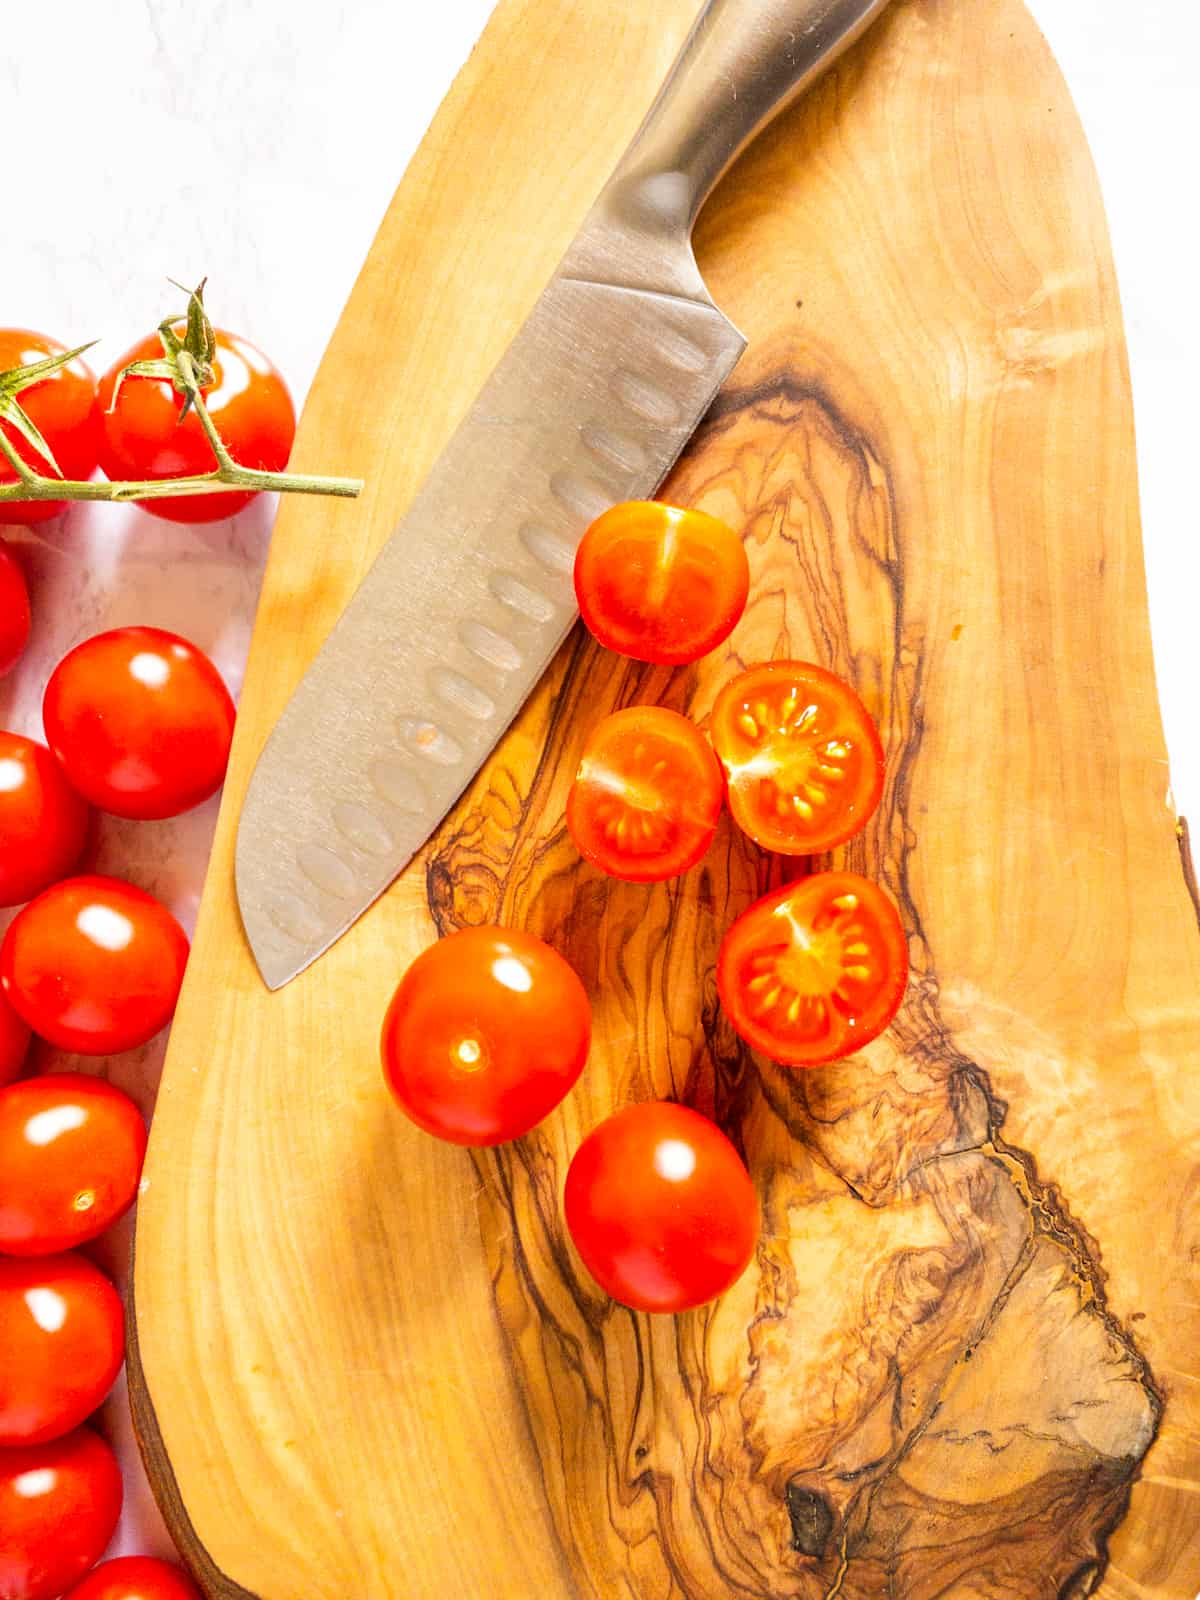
(645, 802)
(802, 756)
(660, 583)
(816, 970)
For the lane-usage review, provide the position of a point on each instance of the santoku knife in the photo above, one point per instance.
(468, 601)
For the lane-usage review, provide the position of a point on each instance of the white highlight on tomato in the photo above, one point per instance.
(12, 776)
(32, 1485)
(149, 669)
(513, 974)
(46, 1126)
(110, 929)
(674, 1160)
(48, 1309)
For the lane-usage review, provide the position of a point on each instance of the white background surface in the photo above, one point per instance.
(259, 143)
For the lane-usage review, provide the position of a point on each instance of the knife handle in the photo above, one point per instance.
(742, 63)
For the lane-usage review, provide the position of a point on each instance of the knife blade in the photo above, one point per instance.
(472, 595)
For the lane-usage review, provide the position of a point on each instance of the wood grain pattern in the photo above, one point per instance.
(964, 1363)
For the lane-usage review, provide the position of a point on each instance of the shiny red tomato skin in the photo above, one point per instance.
(14, 609)
(136, 1578)
(43, 822)
(645, 802)
(142, 436)
(140, 721)
(660, 583)
(830, 946)
(59, 1505)
(63, 408)
(487, 1032)
(94, 965)
(62, 1329)
(71, 1153)
(661, 1208)
(14, 1042)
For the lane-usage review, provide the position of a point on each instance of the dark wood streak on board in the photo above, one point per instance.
(918, 1388)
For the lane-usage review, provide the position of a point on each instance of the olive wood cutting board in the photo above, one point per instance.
(966, 1360)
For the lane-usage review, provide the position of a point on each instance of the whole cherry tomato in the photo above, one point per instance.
(136, 1578)
(71, 1152)
(815, 970)
(94, 965)
(14, 1042)
(63, 409)
(142, 436)
(140, 722)
(14, 608)
(62, 1330)
(59, 1505)
(486, 1033)
(645, 802)
(661, 1208)
(43, 822)
(659, 583)
(801, 754)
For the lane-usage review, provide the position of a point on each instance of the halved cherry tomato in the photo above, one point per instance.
(660, 583)
(487, 1032)
(816, 970)
(140, 721)
(62, 1330)
(63, 409)
(136, 1578)
(94, 965)
(801, 754)
(14, 1042)
(59, 1505)
(71, 1152)
(645, 802)
(143, 437)
(661, 1208)
(14, 609)
(43, 822)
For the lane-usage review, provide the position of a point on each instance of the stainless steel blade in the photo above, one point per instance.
(472, 595)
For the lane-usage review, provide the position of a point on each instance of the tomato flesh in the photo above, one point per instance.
(59, 1505)
(62, 1330)
(43, 821)
(14, 609)
(661, 1208)
(815, 970)
(71, 1152)
(63, 409)
(140, 721)
(645, 802)
(802, 757)
(660, 583)
(14, 1042)
(136, 1578)
(142, 436)
(486, 1033)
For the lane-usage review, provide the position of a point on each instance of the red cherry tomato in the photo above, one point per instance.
(14, 608)
(59, 1505)
(14, 1042)
(661, 1208)
(487, 1032)
(94, 965)
(816, 970)
(43, 822)
(142, 436)
(62, 1330)
(659, 583)
(71, 1152)
(136, 1578)
(645, 802)
(801, 754)
(140, 722)
(63, 409)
